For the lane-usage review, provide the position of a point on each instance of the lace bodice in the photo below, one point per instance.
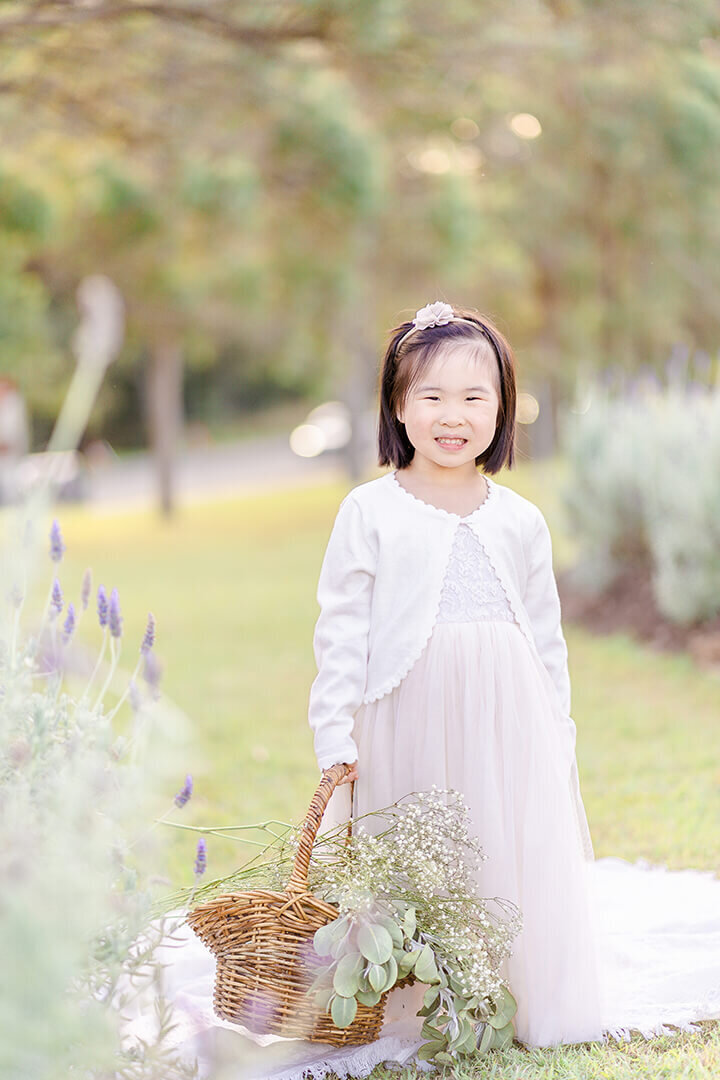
(471, 590)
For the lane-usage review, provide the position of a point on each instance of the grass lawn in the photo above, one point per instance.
(232, 584)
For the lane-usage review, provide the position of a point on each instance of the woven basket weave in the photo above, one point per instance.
(266, 961)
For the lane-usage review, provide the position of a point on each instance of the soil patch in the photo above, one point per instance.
(628, 605)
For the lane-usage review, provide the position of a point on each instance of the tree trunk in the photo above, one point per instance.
(357, 332)
(165, 415)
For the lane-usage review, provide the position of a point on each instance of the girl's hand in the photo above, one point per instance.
(352, 775)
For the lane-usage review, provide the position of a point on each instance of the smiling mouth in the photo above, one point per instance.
(451, 441)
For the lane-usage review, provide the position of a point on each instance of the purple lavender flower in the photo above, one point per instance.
(201, 857)
(102, 605)
(69, 624)
(152, 672)
(149, 639)
(183, 795)
(56, 599)
(134, 695)
(86, 589)
(56, 542)
(115, 616)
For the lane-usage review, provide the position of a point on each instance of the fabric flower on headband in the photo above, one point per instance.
(437, 314)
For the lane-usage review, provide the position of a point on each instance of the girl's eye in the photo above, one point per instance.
(430, 398)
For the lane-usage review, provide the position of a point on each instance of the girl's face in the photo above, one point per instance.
(456, 398)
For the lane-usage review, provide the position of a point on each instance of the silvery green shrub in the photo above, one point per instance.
(603, 498)
(76, 799)
(682, 505)
(643, 489)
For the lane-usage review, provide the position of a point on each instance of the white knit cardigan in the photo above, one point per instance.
(379, 594)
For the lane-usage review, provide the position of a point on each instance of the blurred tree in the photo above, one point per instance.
(27, 350)
(288, 176)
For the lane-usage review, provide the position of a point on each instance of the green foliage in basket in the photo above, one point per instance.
(409, 904)
(369, 953)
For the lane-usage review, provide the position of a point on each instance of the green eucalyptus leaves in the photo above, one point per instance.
(368, 952)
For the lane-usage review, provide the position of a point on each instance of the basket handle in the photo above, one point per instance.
(298, 879)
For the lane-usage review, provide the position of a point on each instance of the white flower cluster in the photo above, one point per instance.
(421, 851)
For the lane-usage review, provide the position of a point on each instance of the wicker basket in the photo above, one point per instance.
(266, 961)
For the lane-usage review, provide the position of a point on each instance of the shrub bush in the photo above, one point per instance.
(644, 491)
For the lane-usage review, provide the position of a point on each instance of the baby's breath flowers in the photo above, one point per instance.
(420, 851)
(416, 885)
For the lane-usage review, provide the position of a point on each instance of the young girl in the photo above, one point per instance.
(441, 658)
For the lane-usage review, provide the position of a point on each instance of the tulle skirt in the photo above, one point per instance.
(478, 713)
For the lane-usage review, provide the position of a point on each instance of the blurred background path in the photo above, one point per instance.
(225, 469)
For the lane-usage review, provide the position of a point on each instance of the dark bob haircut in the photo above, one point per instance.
(403, 367)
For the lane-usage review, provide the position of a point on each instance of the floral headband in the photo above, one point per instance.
(437, 314)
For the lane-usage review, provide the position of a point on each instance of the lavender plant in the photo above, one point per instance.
(73, 792)
(76, 938)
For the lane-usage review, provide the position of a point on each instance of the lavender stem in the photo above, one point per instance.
(101, 655)
(114, 657)
(127, 688)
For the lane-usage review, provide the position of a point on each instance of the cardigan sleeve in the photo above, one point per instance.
(542, 604)
(340, 639)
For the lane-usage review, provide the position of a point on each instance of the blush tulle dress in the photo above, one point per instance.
(606, 947)
(478, 712)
